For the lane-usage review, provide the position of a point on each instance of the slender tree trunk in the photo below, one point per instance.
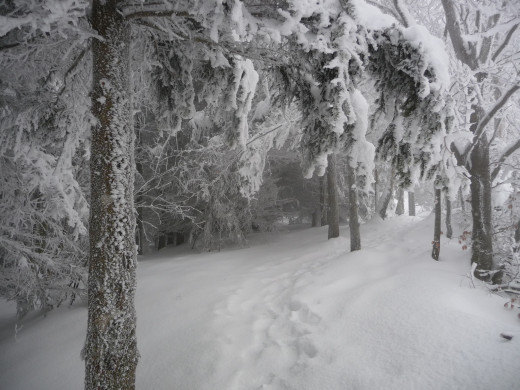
(516, 248)
(376, 194)
(140, 234)
(411, 203)
(449, 230)
(399, 210)
(111, 348)
(386, 197)
(316, 215)
(316, 218)
(323, 201)
(436, 243)
(333, 215)
(353, 220)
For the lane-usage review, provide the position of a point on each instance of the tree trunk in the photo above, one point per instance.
(411, 203)
(462, 201)
(140, 233)
(316, 215)
(323, 201)
(376, 195)
(333, 215)
(385, 199)
(399, 210)
(480, 185)
(449, 230)
(516, 247)
(436, 243)
(316, 218)
(111, 348)
(353, 220)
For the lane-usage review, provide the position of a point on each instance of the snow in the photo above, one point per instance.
(434, 54)
(293, 311)
(371, 17)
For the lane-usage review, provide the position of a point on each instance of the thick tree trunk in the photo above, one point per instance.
(480, 185)
(411, 203)
(333, 215)
(436, 243)
(355, 235)
(323, 201)
(399, 210)
(449, 230)
(111, 348)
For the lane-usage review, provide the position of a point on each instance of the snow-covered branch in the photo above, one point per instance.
(481, 126)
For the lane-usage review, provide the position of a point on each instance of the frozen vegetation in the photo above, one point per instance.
(128, 125)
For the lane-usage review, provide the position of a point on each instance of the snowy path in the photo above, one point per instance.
(294, 311)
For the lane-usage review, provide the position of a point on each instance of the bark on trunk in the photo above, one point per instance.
(376, 194)
(323, 201)
(399, 210)
(387, 196)
(411, 203)
(516, 247)
(111, 348)
(449, 230)
(480, 185)
(333, 215)
(316, 217)
(355, 235)
(436, 243)
(462, 201)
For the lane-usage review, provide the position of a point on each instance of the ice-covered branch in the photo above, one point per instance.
(481, 126)
(506, 41)
(508, 152)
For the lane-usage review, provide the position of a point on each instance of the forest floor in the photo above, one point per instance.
(293, 311)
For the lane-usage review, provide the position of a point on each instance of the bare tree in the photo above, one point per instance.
(475, 156)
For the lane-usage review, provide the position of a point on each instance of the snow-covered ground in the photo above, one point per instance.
(293, 311)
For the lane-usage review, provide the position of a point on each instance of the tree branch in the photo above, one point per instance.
(508, 152)
(156, 13)
(504, 44)
(454, 29)
(10, 46)
(73, 66)
(403, 11)
(481, 126)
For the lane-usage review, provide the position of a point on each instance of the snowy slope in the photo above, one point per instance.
(293, 311)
